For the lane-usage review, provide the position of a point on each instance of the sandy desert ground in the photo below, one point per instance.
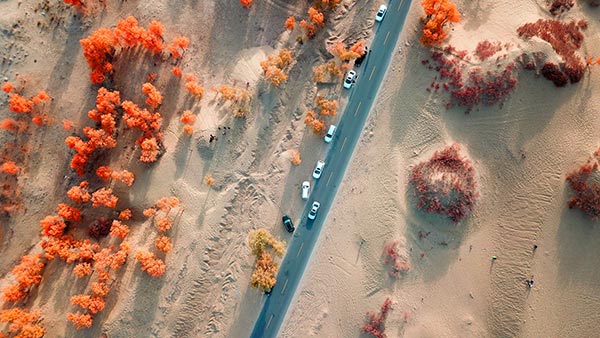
(521, 152)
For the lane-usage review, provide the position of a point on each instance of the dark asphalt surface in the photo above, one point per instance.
(349, 129)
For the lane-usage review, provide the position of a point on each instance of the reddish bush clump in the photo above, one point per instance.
(583, 182)
(445, 184)
(100, 228)
(376, 326)
(478, 88)
(553, 73)
(565, 39)
(486, 49)
(559, 6)
(392, 257)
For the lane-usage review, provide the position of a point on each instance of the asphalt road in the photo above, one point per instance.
(324, 190)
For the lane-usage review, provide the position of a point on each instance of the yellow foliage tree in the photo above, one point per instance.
(276, 66)
(265, 272)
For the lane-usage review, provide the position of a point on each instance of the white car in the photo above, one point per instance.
(350, 79)
(305, 190)
(381, 13)
(329, 136)
(318, 169)
(312, 214)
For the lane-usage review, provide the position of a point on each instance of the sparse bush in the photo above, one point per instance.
(376, 323)
(584, 183)
(559, 6)
(392, 257)
(445, 184)
(486, 49)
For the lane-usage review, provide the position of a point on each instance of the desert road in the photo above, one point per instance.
(350, 127)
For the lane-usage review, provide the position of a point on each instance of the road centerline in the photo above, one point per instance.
(400, 5)
(358, 106)
(386, 37)
(343, 144)
(329, 179)
(373, 71)
(284, 286)
(300, 250)
(269, 323)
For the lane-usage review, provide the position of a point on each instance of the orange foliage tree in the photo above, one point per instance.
(328, 107)
(104, 197)
(9, 167)
(239, 99)
(79, 193)
(149, 124)
(246, 3)
(27, 273)
(177, 71)
(119, 229)
(276, 66)
(295, 156)
(290, 23)
(82, 269)
(163, 243)
(188, 119)
(178, 46)
(153, 96)
(19, 104)
(100, 47)
(106, 173)
(80, 320)
(7, 87)
(125, 214)
(52, 226)
(22, 323)
(153, 265)
(438, 14)
(312, 120)
(68, 212)
(105, 113)
(329, 72)
(192, 86)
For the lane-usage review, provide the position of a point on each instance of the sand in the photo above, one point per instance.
(452, 289)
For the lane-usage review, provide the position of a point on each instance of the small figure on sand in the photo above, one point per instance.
(212, 137)
(529, 282)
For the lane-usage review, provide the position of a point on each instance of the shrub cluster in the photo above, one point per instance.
(445, 184)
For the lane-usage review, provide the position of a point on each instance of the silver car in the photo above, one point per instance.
(381, 13)
(312, 214)
(305, 190)
(318, 170)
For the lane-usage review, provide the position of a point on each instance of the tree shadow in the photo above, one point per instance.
(477, 13)
(145, 304)
(577, 250)
(251, 301)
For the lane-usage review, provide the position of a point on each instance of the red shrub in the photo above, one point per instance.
(553, 73)
(584, 184)
(445, 184)
(565, 39)
(559, 6)
(478, 88)
(376, 326)
(392, 257)
(485, 49)
(100, 228)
